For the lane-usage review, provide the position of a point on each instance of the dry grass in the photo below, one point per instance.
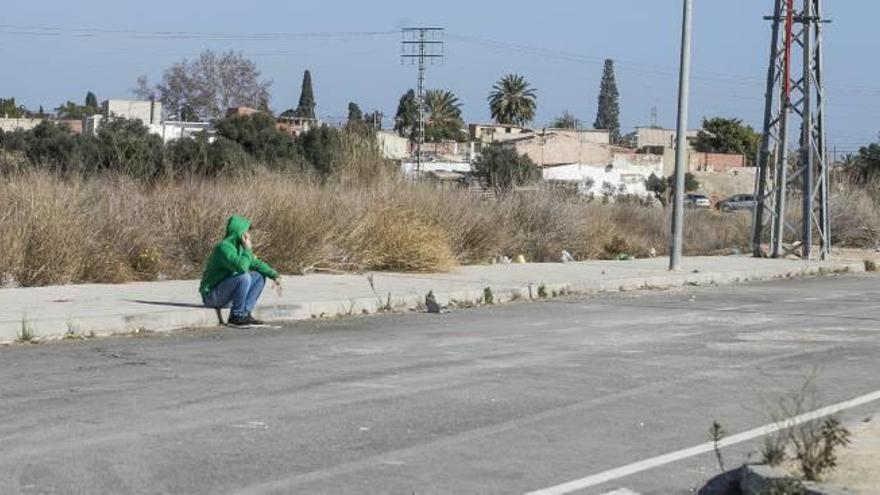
(855, 216)
(115, 229)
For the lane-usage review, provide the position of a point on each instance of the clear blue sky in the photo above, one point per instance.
(566, 41)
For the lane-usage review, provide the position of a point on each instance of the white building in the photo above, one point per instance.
(150, 114)
(171, 130)
(626, 174)
(409, 167)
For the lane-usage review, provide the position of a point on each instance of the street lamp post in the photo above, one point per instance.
(681, 140)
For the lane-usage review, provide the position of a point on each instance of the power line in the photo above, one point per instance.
(623, 64)
(29, 30)
(632, 65)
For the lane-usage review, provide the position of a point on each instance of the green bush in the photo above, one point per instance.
(125, 146)
(51, 146)
(240, 147)
(259, 137)
(201, 157)
(505, 169)
(322, 147)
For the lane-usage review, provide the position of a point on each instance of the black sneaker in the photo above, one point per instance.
(253, 321)
(239, 321)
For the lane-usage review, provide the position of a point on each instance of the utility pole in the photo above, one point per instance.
(681, 155)
(796, 36)
(421, 45)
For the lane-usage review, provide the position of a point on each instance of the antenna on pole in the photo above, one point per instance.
(781, 175)
(421, 45)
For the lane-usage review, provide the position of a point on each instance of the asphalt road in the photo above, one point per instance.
(502, 400)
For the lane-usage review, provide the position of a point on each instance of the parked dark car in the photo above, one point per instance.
(738, 202)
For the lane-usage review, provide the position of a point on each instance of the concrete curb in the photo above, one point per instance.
(45, 325)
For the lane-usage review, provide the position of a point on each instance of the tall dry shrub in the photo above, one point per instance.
(400, 239)
(12, 241)
(473, 225)
(855, 217)
(540, 227)
(115, 229)
(300, 223)
(127, 229)
(360, 162)
(644, 228)
(44, 233)
(709, 232)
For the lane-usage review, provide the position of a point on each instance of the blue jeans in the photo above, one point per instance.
(242, 290)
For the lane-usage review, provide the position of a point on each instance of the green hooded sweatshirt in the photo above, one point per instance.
(230, 258)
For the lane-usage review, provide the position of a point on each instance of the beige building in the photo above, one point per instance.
(13, 124)
(10, 125)
(495, 133)
(653, 139)
(595, 136)
(552, 147)
(661, 142)
(148, 112)
(393, 146)
(296, 125)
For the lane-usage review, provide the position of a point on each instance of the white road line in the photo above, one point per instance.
(653, 462)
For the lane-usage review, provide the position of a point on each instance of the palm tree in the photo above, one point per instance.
(512, 100)
(443, 111)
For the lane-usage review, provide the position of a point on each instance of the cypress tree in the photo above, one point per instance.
(306, 108)
(608, 116)
(356, 121)
(355, 115)
(91, 100)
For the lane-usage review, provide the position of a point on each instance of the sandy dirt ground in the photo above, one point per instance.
(859, 463)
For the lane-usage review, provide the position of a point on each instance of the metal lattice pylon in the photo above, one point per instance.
(792, 161)
(423, 45)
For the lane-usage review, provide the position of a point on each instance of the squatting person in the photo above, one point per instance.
(233, 274)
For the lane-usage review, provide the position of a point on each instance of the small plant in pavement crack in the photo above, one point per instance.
(785, 486)
(488, 297)
(382, 306)
(717, 433)
(26, 334)
(542, 292)
(816, 451)
(773, 451)
(813, 444)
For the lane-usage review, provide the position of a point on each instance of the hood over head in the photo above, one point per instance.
(236, 226)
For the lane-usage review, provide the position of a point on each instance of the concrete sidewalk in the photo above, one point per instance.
(51, 312)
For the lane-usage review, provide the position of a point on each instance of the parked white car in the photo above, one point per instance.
(696, 201)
